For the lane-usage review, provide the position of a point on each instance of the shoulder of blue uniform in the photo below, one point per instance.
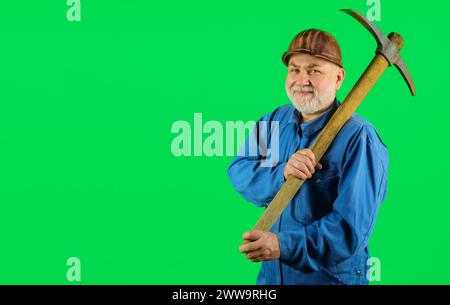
(359, 127)
(359, 131)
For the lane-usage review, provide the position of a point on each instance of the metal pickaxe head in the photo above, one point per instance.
(389, 46)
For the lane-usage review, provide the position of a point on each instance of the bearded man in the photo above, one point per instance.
(322, 236)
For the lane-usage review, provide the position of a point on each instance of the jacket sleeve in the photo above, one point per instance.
(347, 228)
(255, 172)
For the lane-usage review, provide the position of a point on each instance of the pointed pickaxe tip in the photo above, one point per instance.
(389, 46)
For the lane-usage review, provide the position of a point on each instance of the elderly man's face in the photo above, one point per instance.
(311, 83)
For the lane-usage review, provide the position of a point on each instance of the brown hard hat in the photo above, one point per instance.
(316, 43)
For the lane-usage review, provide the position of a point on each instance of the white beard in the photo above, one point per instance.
(313, 103)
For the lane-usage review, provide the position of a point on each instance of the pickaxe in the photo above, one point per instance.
(387, 54)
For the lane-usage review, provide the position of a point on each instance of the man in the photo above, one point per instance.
(322, 236)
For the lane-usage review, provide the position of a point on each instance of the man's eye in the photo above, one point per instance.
(294, 70)
(314, 71)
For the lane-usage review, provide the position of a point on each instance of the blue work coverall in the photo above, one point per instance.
(324, 232)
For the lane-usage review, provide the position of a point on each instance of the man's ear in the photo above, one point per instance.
(340, 78)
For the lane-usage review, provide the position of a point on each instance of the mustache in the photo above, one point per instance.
(303, 88)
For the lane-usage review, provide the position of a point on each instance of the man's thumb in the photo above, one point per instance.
(252, 235)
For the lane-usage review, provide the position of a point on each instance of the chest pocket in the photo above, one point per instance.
(318, 195)
(324, 180)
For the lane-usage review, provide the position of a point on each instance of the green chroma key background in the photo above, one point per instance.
(85, 131)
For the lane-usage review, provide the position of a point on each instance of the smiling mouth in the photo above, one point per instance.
(303, 93)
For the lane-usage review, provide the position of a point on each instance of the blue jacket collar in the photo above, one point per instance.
(311, 127)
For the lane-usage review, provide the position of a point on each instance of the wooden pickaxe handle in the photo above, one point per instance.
(344, 112)
(324, 140)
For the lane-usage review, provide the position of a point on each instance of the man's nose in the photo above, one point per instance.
(302, 78)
